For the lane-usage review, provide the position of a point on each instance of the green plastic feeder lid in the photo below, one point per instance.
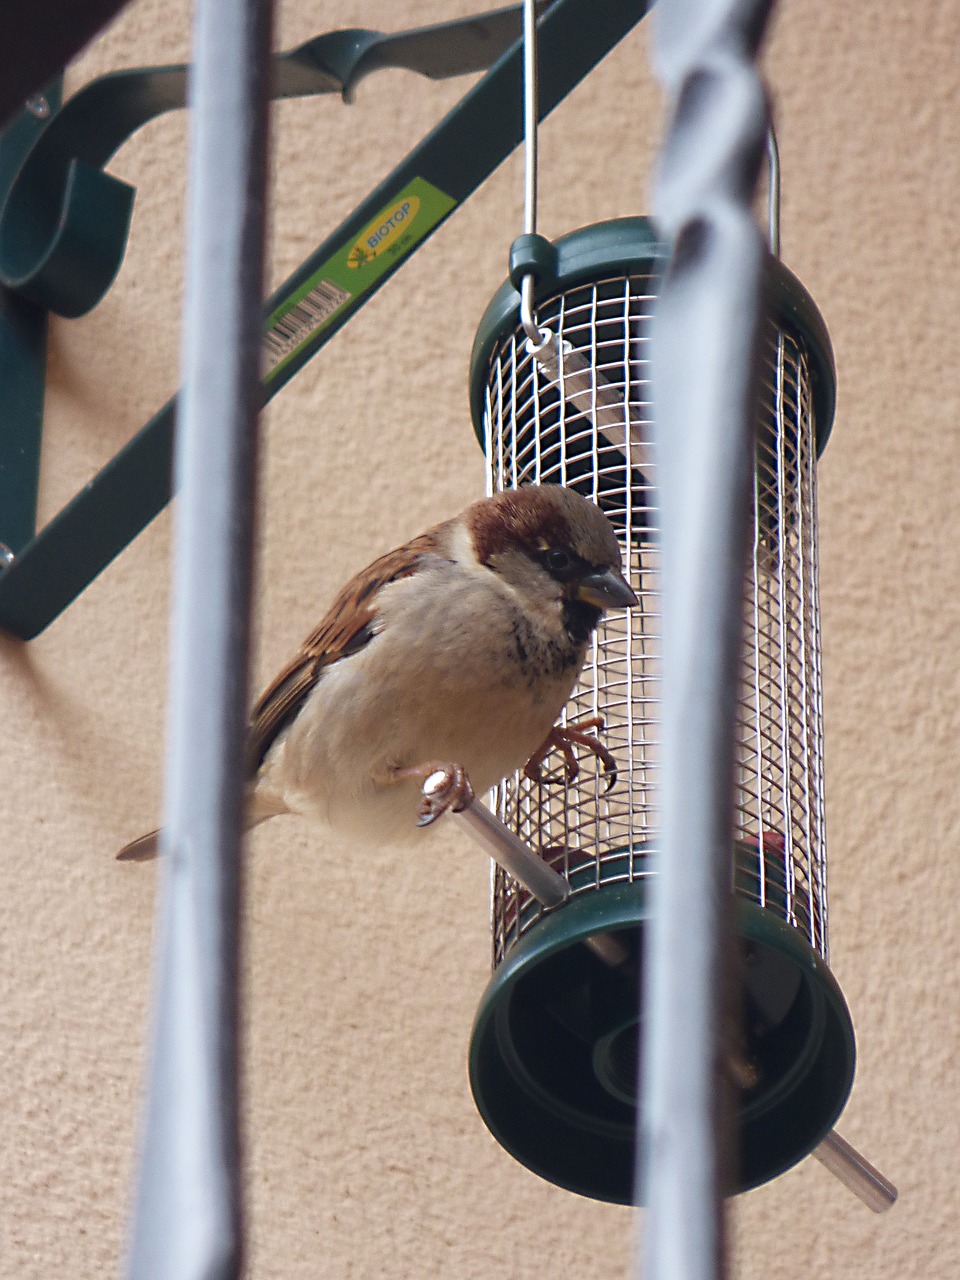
(554, 1051)
(630, 246)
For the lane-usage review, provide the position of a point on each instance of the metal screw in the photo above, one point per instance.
(6, 555)
(38, 106)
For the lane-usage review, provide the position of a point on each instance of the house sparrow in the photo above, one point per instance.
(445, 663)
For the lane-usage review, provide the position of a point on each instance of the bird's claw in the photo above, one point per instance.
(446, 788)
(561, 738)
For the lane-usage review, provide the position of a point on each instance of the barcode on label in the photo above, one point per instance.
(293, 328)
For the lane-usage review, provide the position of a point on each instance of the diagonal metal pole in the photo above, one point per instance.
(187, 1221)
(704, 350)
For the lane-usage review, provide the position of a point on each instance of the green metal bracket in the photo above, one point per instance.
(64, 222)
(23, 356)
(328, 287)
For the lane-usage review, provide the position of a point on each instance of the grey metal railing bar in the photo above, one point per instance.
(705, 345)
(187, 1220)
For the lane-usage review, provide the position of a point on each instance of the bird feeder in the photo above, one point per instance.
(553, 1060)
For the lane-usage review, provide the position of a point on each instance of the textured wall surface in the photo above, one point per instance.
(366, 1157)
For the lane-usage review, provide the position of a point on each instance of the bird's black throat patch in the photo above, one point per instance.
(580, 619)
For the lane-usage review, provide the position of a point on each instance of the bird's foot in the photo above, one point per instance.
(445, 789)
(561, 738)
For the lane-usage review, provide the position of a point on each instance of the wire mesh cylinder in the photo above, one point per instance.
(585, 421)
(580, 415)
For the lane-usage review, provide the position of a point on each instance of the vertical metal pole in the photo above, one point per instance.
(705, 341)
(187, 1221)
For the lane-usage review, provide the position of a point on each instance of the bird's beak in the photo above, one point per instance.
(607, 590)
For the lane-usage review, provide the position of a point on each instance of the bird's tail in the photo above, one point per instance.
(146, 848)
(142, 849)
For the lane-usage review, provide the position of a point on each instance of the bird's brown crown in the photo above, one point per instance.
(541, 516)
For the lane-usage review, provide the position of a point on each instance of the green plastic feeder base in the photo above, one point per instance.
(553, 1057)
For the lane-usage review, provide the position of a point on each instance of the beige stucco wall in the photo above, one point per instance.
(366, 1157)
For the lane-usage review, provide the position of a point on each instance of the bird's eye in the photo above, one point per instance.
(558, 560)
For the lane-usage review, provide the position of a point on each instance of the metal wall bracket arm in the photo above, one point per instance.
(23, 359)
(64, 222)
(453, 160)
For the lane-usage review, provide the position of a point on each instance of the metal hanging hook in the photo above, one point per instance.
(773, 192)
(538, 339)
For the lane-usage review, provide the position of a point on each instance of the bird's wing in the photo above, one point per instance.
(350, 623)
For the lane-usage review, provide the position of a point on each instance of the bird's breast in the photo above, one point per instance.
(456, 672)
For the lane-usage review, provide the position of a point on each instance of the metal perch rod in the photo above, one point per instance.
(846, 1163)
(518, 859)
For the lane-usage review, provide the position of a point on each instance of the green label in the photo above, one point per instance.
(352, 270)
